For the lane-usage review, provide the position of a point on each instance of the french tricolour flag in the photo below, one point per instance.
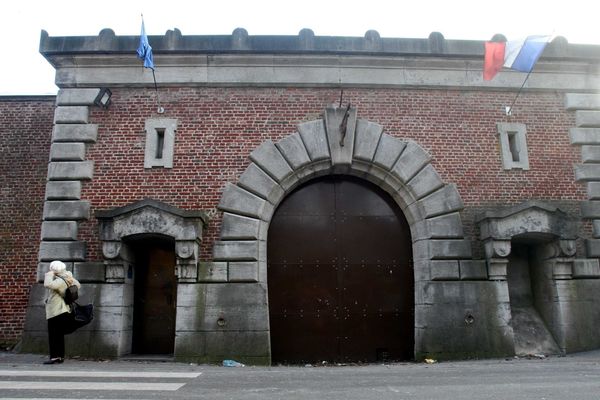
(520, 55)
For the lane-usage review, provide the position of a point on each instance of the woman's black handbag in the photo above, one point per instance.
(81, 315)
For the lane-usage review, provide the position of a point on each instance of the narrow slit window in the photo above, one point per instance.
(513, 145)
(160, 143)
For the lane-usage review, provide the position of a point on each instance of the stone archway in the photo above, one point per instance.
(321, 147)
(343, 145)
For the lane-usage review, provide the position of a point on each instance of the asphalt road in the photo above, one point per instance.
(575, 377)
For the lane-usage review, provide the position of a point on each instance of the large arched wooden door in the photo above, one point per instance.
(340, 275)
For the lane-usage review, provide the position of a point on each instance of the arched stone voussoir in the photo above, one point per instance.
(255, 180)
(445, 200)
(425, 182)
(270, 160)
(411, 161)
(366, 140)
(401, 168)
(388, 151)
(237, 200)
(314, 137)
(293, 150)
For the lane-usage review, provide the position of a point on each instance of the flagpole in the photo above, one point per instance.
(160, 109)
(509, 109)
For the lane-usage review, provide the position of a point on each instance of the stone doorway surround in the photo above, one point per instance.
(150, 217)
(566, 285)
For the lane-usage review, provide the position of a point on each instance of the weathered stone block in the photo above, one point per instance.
(443, 226)
(66, 210)
(449, 249)
(67, 151)
(238, 227)
(236, 294)
(239, 201)
(71, 170)
(212, 272)
(270, 159)
(77, 97)
(59, 230)
(235, 250)
(366, 140)
(584, 136)
(237, 345)
(71, 115)
(412, 159)
(590, 209)
(590, 154)
(257, 181)
(425, 182)
(192, 294)
(243, 271)
(293, 150)
(586, 268)
(69, 251)
(314, 138)
(593, 190)
(388, 151)
(87, 133)
(587, 119)
(582, 101)
(444, 270)
(341, 144)
(89, 271)
(220, 318)
(596, 228)
(473, 270)
(189, 346)
(63, 190)
(443, 201)
(117, 295)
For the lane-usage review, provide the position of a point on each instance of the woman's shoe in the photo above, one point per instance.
(57, 360)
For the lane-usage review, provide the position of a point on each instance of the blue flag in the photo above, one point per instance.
(144, 50)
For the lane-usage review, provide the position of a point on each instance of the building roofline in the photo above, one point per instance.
(173, 42)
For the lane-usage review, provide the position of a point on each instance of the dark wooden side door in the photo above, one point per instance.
(340, 275)
(155, 301)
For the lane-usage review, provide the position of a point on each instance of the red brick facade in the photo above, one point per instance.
(219, 127)
(25, 133)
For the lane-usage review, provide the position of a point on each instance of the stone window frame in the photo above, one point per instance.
(160, 138)
(513, 145)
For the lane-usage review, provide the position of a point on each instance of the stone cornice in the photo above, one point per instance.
(307, 60)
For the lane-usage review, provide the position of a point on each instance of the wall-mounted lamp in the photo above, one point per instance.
(103, 98)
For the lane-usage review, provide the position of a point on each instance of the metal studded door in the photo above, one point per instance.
(340, 275)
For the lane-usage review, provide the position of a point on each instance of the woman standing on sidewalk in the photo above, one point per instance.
(56, 280)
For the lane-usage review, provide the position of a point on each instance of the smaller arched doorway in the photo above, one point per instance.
(340, 275)
(149, 249)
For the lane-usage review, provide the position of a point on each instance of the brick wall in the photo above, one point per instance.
(25, 133)
(219, 127)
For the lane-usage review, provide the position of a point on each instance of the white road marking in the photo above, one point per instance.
(100, 374)
(70, 386)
